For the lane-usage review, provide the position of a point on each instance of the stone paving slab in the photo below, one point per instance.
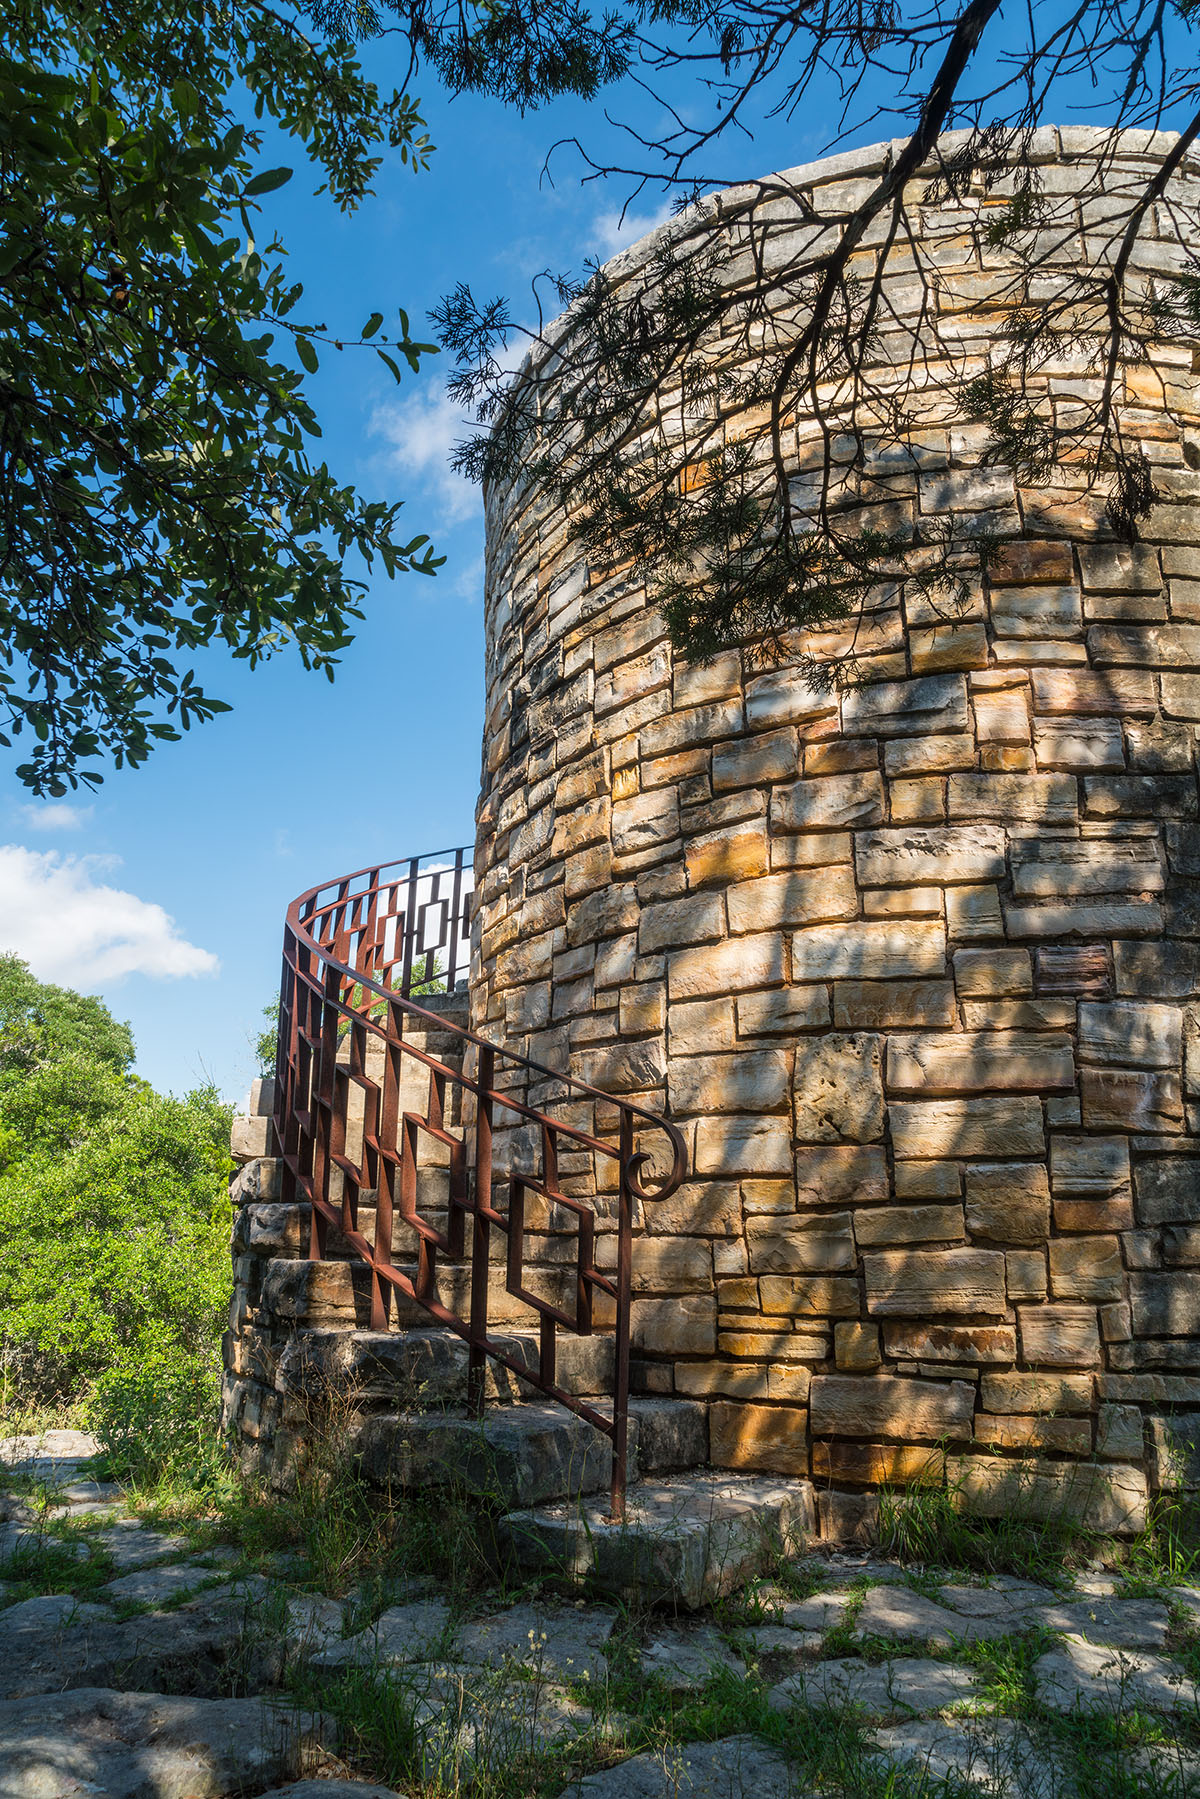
(1088, 1676)
(404, 1633)
(790, 1645)
(562, 1642)
(1012, 1601)
(995, 1754)
(734, 1768)
(313, 1621)
(332, 1789)
(134, 1545)
(114, 1745)
(684, 1660)
(469, 1722)
(21, 1538)
(907, 1685)
(821, 1612)
(52, 1644)
(1115, 1623)
(158, 1586)
(910, 1617)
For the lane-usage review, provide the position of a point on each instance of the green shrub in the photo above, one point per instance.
(158, 1417)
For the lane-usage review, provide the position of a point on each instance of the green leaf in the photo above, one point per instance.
(267, 182)
(372, 325)
(307, 354)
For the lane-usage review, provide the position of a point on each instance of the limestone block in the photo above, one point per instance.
(1035, 611)
(1086, 1268)
(973, 913)
(809, 1296)
(928, 1180)
(1017, 798)
(1131, 1033)
(883, 1226)
(902, 902)
(691, 918)
(829, 802)
(771, 1438)
(251, 1138)
(856, 1347)
(1130, 1100)
(1144, 646)
(1181, 696)
(642, 1009)
(1032, 561)
(785, 697)
(945, 855)
(874, 1464)
(672, 1265)
(918, 801)
(783, 1012)
(731, 855)
(605, 913)
(1160, 748)
(728, 967)
(817, 1244)
(838, 1084)
(697, 682)
(785, 1346)
(698, 1208)
(1120, 1433)
(831, 1176)
(1124, 692)
(886, 1405)
(1157, 970)
(840, 756)
(587, 871)
(1140, 796)
(1042, 1393)
(928, 755)
(751, 1081)
(797, 897)
(624, 1067)
(1142, 918)
(923, 1283)
(1120, 568)
(1018, 1014)
(695, 724)
(1165, 1305)
(733, 1145)
(1025, 1273)
(754, 761)
(685, 1324)
(979, 1062)
(955, 645)
(1008, 1202)
(818, 849)
(930, 704)
(1069, 1436)
(990, 973)
(1059, 1336)
(1083, 744)
(586, 823)
(970, 1344)
(1168, 1190)
(1110, 1499)
(1181, 1245)
(1002, 717)
(875, 949)
(1006, 1125)
(703, 1378)
(1052, 868)
(702, 1025)
(876, 1005)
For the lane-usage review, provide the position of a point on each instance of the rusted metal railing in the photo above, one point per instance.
(354, 949)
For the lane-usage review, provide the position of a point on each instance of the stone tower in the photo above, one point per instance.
(915, 965)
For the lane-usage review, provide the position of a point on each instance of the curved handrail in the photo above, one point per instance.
(346, 941)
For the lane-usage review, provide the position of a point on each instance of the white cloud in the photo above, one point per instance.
(421, 432)
(56, 815)
(71, 928)
(610, 232)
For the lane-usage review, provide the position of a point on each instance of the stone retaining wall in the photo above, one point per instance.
(915, 966)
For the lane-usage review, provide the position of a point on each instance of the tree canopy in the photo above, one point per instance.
(664, 448)
(157, 487)
(114, 1215)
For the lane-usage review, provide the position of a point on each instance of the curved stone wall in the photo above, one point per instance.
(915, 966)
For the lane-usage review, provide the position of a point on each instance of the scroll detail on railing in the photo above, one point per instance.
(363, 1112)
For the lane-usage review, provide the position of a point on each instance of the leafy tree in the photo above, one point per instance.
(41, 1023)
(114, 1217)
(670, 425)
(157, 492)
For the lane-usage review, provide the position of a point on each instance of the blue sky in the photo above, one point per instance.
(166, 892)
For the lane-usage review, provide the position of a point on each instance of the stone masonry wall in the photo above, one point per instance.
(915, 966)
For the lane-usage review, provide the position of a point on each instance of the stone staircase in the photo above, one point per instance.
(298, 1353)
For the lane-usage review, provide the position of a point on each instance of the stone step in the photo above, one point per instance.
(414, 1370)
(524, 1455)
(686, 1540)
